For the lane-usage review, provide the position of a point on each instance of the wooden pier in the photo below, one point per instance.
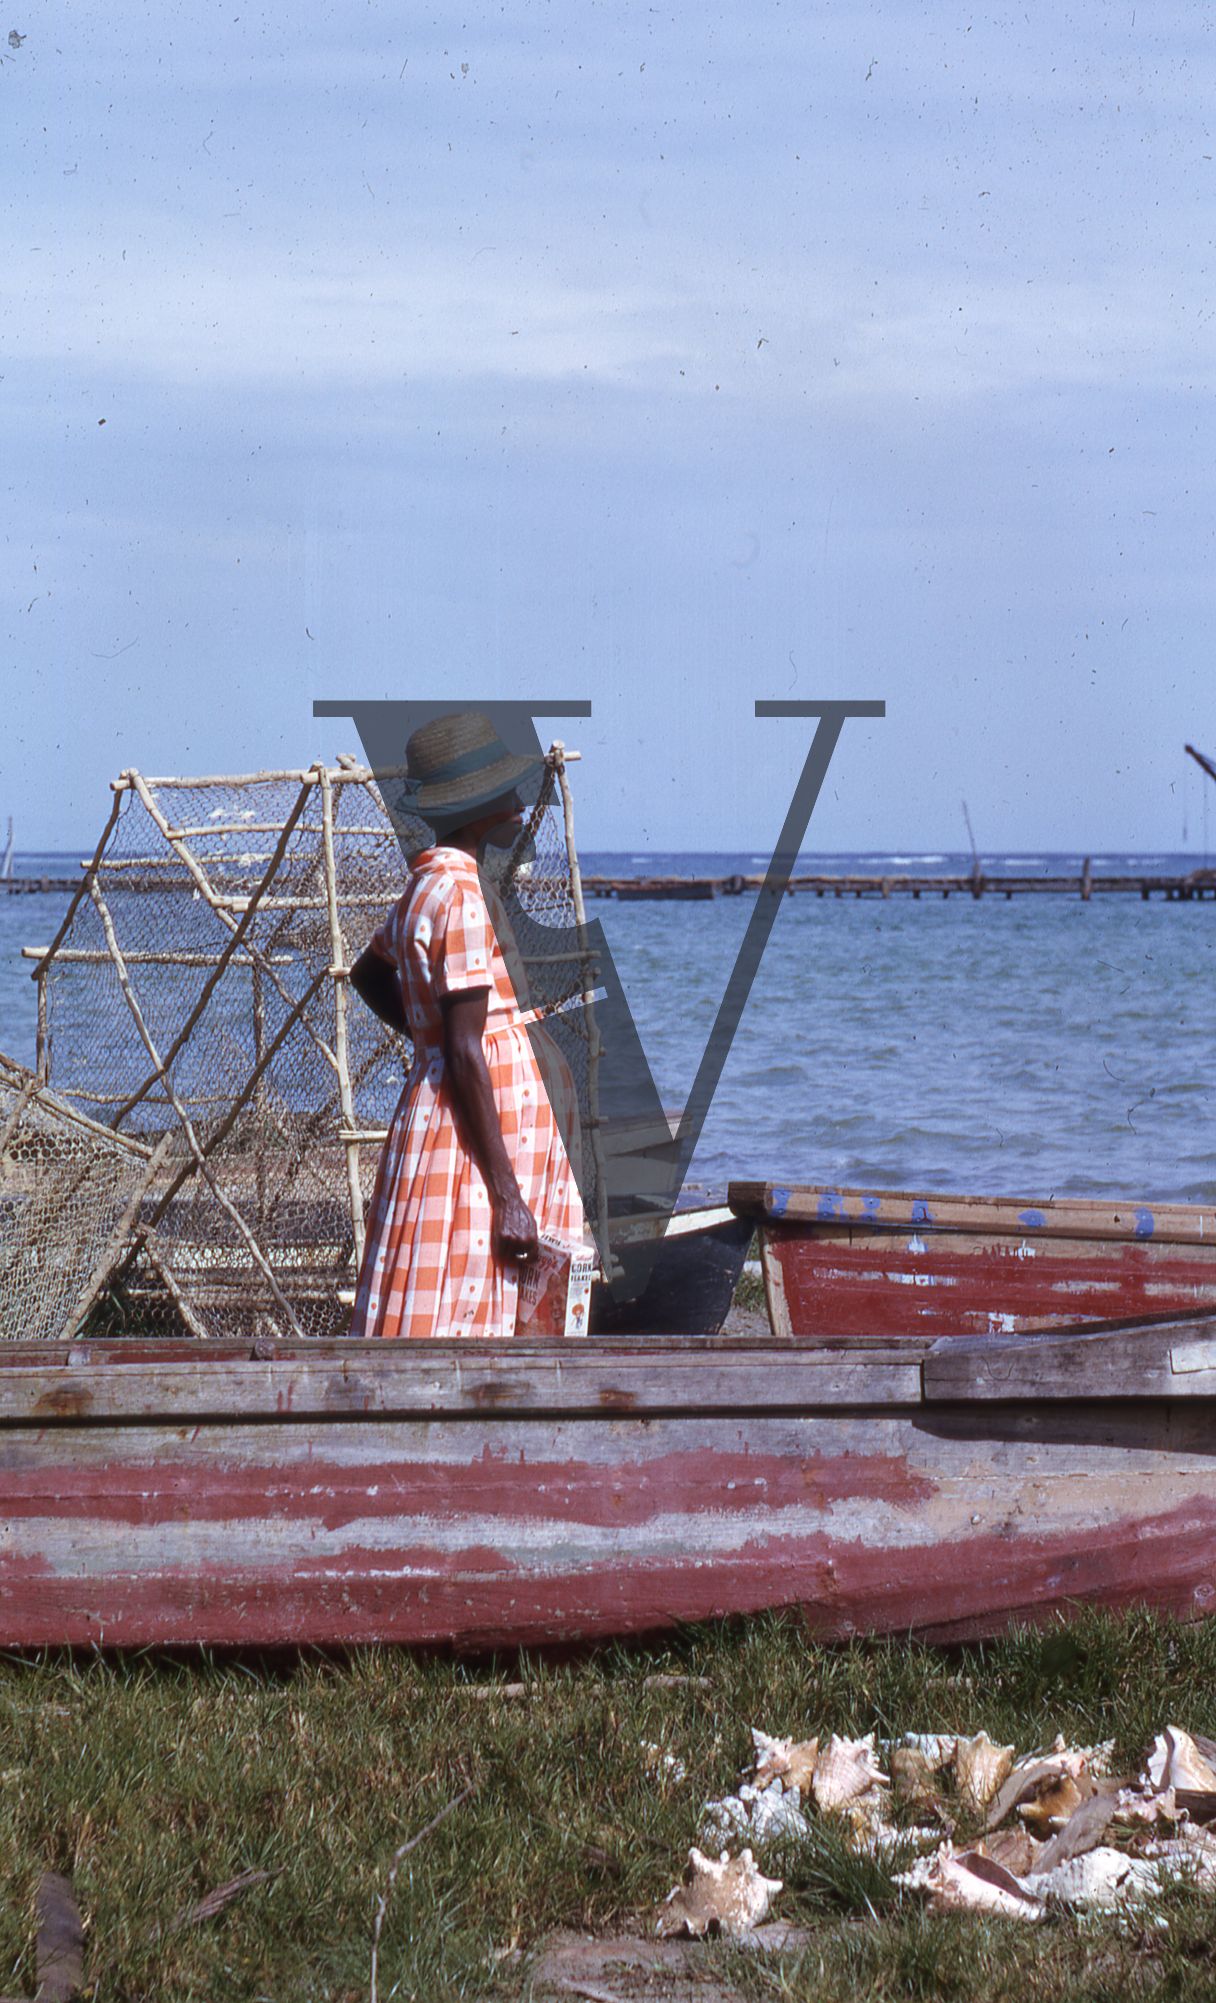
(30, 886)
(1199, 884)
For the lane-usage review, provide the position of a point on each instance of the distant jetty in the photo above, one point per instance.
(1198, 884)
(19, 886)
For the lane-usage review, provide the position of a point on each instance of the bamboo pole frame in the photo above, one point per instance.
(341, 973)
(223, 908)
(213, 979)
(106, 1263)
(588, 970)
(195, 1145)
(237, 946)
(226, 1125)
(146, 1238)
(79, 956)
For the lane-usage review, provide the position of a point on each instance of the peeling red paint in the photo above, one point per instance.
(942, 1592)
(869, 1283)
(333, 1494)
(18, 1566)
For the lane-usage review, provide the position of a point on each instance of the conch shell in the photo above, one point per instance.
(1053, 1801)
(1014, 1847)
(980, 1767)
(1131, 1805)
(969, 1881)
(1031, 1776)
(718, 1895)
(1176, 1761)
(845, 1770)
(765, 1814)
(915, 1761)
(936, 1747)
(1190, 1854)
(1102, 1877)
(913, 1776)
(1100, 1759)
(791, 1761)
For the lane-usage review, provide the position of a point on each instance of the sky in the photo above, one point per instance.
(665, 358)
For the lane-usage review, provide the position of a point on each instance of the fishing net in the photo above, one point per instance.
(196, 1001)
(68, 1193)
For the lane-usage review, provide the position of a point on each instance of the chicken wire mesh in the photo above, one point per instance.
(68, 1194)
(196, 1001)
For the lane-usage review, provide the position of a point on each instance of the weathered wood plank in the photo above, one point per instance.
(458, 1380)
(1145, 1362)
(901, 1210)
(550, 1349)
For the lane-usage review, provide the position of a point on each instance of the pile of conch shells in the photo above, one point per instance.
(1060, 1829)
(1057, 1828)
(790, 1780)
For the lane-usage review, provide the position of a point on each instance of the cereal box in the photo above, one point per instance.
(555, 1288)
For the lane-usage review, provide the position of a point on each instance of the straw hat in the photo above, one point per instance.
(456, 764)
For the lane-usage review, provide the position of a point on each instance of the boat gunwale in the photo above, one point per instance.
(195, 1381)
(123, 1381)
(827, 1210)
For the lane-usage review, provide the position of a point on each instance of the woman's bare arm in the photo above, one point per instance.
(464, 1021)
(376, 983)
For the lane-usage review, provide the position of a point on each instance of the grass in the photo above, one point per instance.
(749, 1291)
(152, 1781)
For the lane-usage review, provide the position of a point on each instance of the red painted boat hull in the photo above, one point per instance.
(488, 1501)
(845, 1262)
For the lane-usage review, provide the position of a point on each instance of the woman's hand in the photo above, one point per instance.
(515, 1239)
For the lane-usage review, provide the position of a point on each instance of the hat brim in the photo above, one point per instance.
(459, 799)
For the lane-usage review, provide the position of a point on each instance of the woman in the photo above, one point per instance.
(474, 1164)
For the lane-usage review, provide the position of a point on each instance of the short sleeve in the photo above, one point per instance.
(381, 941)
(463, 943)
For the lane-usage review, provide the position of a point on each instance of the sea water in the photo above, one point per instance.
(1033, 1047)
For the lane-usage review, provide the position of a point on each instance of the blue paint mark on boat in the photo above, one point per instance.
(1034, 1220)
(1144, 1223)
(921, 1214)
(779, 1202)
(871, 1205)
(831, 1204)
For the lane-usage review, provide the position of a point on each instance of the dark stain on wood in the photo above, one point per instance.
(64, 1401)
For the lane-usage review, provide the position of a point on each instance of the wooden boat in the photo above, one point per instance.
(488, 1495)
(882, 1262)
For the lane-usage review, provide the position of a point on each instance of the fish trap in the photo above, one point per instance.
(70, 1191)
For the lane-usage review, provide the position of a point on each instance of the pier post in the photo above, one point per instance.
(1087, 880)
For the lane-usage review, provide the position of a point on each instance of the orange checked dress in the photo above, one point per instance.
(428, 1262)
